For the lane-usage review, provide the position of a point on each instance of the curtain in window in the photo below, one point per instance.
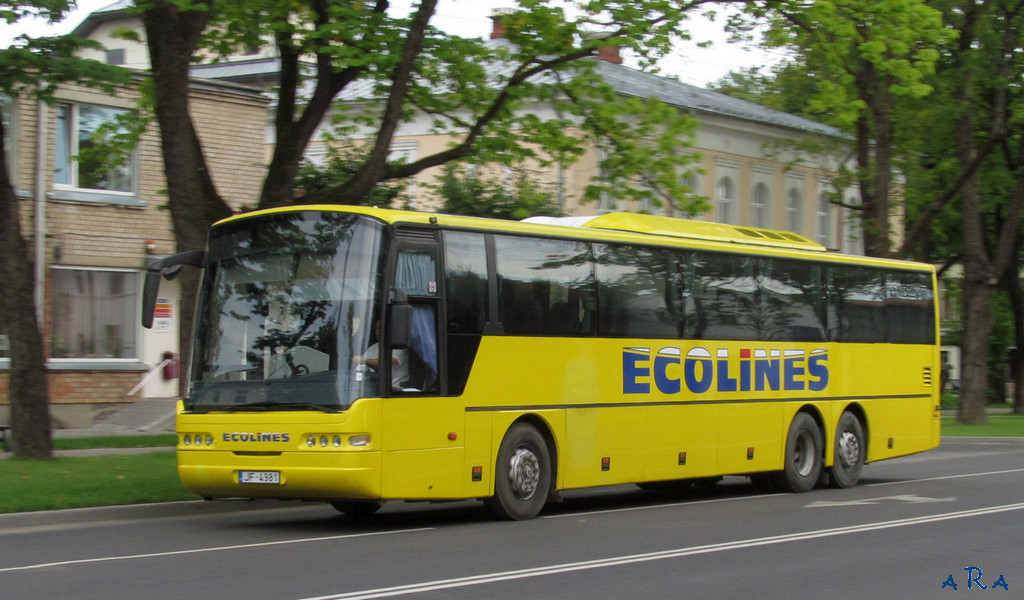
(94, 314)
(416, 275)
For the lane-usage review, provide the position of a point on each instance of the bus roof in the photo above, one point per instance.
(610, 226)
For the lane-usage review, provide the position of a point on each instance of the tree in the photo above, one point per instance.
(866, 57)
(983, 70)
(33, 67)
(788, 87)
(474, 195)
(391, 68)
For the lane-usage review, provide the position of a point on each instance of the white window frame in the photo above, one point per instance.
(794, 211)
(135, 320)
(825, 220)
(761, 206)
(71, 189)
(725, 200)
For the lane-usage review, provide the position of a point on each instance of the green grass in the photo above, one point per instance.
(74, 482)
(115, 441)
(997, 426)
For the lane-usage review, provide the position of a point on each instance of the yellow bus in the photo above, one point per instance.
(528, 358)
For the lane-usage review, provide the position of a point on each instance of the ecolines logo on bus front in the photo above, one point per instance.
(700, 371)
(261, 436)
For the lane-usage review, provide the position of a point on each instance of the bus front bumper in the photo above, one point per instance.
(285, 475)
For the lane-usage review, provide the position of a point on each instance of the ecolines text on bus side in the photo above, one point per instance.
(702, 371)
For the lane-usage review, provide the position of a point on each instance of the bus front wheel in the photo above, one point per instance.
(849, 450)
(522, 475)
(803, 456)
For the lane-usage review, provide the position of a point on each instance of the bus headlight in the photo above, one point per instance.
(359, 440)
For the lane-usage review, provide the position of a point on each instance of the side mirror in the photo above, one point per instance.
(399, 320)
(169, 267)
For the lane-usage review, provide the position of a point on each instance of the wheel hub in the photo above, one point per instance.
(524, 473)
(849, 449)
(803, 455)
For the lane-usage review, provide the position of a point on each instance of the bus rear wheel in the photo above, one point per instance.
(849, 451)
(803, 456)
(522, 475)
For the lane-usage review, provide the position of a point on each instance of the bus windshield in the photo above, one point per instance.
(286, 309)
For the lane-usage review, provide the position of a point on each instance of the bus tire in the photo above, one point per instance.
(522, 474)
(357, 508)
(803, 456)
(850, 449)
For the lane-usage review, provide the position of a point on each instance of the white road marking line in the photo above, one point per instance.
(85, 561)
(442, 584)
(960, 476)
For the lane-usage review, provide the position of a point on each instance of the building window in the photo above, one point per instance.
(794, 211)
(81, 128)
(7, 114)
(94, 313)
(725, 200)
(405, 152)
(762, 206)
(115, 56)
(824, 220)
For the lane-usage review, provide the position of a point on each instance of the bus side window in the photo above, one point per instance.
(637, 292)
(545, 286)
(416, 274)
(792, 300)
(908, 308)
(857, 304)
(726, 297)
(466, 300)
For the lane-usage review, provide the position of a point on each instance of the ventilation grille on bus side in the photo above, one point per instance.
(928, 376)
(410, 234)
(773, 235)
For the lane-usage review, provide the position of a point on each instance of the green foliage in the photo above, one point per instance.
(787, 87)
(846, 43)
(472, 194)
(316, 182)
(35, 66)
(533, 97)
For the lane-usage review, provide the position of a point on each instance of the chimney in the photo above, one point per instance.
(609, 54)
(498, 27)
(606, 51)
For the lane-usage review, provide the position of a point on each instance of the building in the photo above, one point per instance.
(95, 229)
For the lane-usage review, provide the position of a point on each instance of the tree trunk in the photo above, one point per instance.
(1012, 280)
(29, 396)
(172, 36)
(977, 327)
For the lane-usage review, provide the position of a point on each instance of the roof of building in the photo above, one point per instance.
(626, 80)
(111, 12)
(633, 82)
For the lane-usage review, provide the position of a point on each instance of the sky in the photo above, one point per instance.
(689, 62)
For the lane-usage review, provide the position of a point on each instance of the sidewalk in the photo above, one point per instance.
(142, 417)
(148, 416)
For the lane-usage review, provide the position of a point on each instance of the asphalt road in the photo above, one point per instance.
(914, 527)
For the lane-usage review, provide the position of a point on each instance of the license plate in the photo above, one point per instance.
(271, 477)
